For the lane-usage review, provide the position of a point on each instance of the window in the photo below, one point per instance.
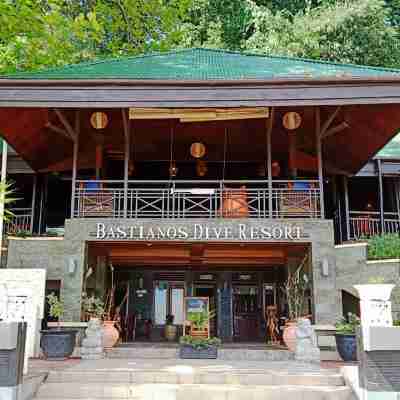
(168, 299)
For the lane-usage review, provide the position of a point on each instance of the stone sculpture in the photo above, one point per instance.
(92, 344)
(306, 346)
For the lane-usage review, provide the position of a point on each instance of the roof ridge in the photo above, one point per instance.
(309, 60)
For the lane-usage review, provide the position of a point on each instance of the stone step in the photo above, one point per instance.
(67, 391)
(223, 354)
(188, 376)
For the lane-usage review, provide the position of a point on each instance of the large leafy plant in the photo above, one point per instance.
(200, 320)
(92, 306)
(56, 305)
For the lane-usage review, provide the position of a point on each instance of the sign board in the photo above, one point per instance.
(198, 231)
(195, 305)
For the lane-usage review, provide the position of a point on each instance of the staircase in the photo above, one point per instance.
(140, 379)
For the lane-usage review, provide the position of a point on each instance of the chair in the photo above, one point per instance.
(234, 203)
(299, 199)
(95, 202)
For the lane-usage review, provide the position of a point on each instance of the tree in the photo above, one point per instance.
(43, 33)
(354, 31)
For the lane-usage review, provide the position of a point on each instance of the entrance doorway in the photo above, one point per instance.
(243, 282)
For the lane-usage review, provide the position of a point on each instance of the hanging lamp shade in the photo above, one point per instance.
(291, 120)
(99, 120)
(173, 169)
(197, 150)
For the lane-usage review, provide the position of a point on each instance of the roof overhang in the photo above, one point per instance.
(116, 93)
(371, 106)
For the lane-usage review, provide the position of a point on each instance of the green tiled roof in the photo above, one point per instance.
(391, 150)
(204, 64)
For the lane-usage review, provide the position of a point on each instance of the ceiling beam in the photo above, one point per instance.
(56, 129)
(336, 129)
(329, 121)
(66, 124)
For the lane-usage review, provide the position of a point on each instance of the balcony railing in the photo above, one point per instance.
(197, 199)
(21, 221)
(364, 224)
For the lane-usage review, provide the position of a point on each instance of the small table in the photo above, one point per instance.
(324, 330)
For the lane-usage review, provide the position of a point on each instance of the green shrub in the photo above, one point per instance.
(347, 326)
(384, 246)
(199, 343)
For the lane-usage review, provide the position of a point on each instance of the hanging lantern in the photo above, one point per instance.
(201, 168)
(291, 120)
(173, 169)
(197, 150)
(99, 120)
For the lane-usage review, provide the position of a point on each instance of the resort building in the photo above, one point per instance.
(201, 173)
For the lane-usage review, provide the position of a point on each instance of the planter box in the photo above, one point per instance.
(57, 344)
(189, 352)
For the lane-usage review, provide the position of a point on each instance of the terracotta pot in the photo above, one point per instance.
(110, 334)
(289, 335)
(170, 332)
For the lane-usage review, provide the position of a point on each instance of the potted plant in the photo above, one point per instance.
(57, 344)
(295, 289)
(346, 342)
(93, 307)
(170, 329)
(200, 348)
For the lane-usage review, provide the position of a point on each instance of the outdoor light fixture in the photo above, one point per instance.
(325, 267)
(173, 169)
(197, 150)
(99, 120)
(72, 265)
(291, 120)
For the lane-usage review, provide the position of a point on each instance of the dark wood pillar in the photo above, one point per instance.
(381, 211)
(346, 206)
(225, 312)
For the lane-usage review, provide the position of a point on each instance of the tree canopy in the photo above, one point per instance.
(45, 33)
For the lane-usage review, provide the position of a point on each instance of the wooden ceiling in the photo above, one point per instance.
(128, 254)
(369, 128)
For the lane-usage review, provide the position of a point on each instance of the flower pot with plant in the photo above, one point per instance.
(198, 348)
(295, 289)
(346, 341)
(93, 307)
(170, 330)
(57, 344)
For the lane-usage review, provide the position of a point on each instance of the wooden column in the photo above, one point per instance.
(33, 204)
(346, 206)
(381, 210)
(75, 159)
(319, 156)
(269, 161)
(126, 124)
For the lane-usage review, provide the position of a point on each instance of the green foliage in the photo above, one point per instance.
(384, 247)
(376, 280)
(6, 195)
(199, 343)
(396, 322)
(92, 306)
(200, 320)
(56, 306)
(347, 325)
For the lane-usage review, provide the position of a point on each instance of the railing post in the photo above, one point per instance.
(75, 161)
(269, 161)
(381, 213)
(33, 205)
(346, 206)
(319, 155)
(126, 123)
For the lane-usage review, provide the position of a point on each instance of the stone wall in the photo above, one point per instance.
(352, 268)
(55, 255)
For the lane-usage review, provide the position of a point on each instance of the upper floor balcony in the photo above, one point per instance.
(197, 199)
